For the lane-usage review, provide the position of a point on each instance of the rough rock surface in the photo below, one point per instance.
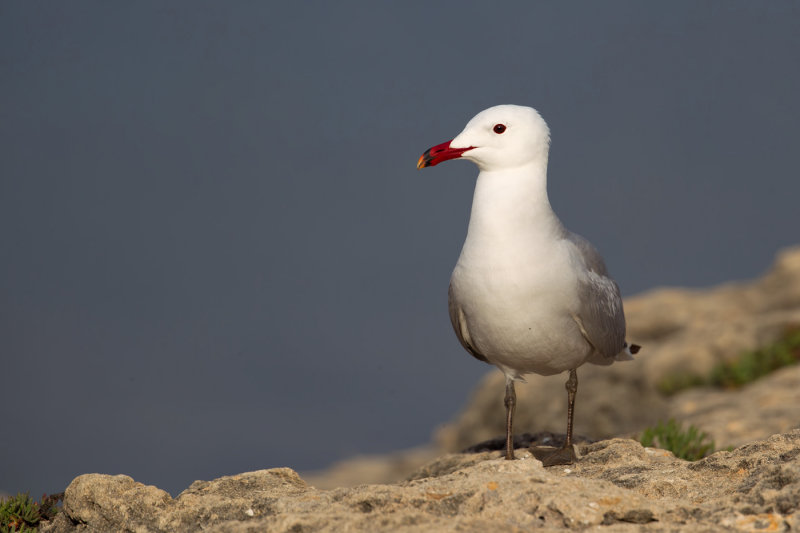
(386, 468)
(616, 486)
(735, 417)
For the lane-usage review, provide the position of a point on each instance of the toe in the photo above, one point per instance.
(553, 457)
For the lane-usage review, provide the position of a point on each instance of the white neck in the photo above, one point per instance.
(510, 205)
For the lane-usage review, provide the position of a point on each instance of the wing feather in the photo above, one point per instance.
(600, 314)
(459, 322)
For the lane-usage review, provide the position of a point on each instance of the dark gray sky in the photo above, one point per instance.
(216, 254)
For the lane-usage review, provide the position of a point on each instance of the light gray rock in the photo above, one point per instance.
(378, 468)
(735, 417)
(616, 486)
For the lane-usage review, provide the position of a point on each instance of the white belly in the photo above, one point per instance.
(521, 319)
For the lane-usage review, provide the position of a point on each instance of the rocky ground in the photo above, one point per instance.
(617, 485)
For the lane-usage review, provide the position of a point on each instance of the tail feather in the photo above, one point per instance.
(627, 352)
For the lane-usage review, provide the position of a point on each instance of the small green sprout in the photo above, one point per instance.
(690, 444)
(753, 365)
(745, 369)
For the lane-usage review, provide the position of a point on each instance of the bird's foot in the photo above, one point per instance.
(550, 456)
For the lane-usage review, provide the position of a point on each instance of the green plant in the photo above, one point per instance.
(746, 368)
(690, 444)
(22, 514)
(752, 365)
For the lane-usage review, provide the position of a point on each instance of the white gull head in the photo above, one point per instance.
(501, 137)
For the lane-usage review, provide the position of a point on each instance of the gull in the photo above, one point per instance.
(527, 295)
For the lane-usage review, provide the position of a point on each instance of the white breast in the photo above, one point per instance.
(515, 283)
(519, 314)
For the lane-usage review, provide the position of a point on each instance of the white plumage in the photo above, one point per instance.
(526, 294)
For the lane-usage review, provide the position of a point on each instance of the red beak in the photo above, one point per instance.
(440, 152)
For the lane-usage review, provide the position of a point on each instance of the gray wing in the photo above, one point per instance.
(459, 323)
(600, 314)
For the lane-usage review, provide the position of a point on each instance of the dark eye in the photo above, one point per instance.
(499, 128)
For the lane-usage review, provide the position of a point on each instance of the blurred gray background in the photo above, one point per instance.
(216, 254)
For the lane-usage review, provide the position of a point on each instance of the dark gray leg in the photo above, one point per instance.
(510, 403)
(566, 454)
(572, 389)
